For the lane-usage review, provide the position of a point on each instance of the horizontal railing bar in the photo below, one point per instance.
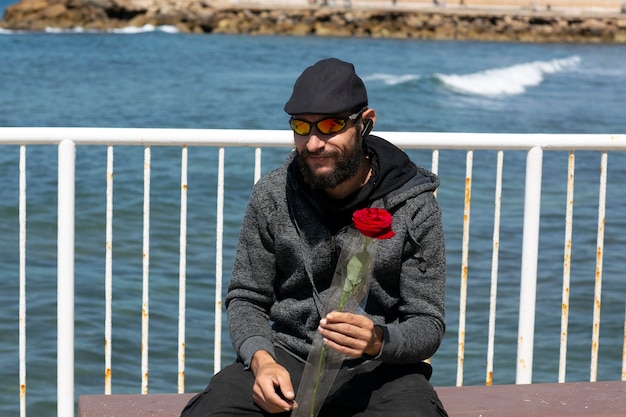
(146, 136)
(280, 138)
(505, 141)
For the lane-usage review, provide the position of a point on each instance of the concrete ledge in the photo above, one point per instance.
(597, 399)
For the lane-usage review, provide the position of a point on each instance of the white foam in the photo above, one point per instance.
(7, 32)
(390, 79)
(72, 30)
(129, 30)
(506, 81)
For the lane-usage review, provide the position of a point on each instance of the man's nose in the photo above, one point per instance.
(314, 143)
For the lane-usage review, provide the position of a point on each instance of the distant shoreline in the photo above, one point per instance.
(581, 8)
(539, 22)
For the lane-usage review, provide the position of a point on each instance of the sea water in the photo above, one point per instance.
(155, 77)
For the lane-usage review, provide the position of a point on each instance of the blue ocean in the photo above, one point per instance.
(158, 78)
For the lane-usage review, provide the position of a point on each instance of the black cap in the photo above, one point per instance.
(331, 86)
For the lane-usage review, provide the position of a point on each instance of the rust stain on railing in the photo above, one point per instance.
(107, 367)
(521, 361)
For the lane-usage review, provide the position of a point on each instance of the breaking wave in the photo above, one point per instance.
(507, 80)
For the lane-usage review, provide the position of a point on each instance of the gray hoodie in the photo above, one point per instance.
(286, 259)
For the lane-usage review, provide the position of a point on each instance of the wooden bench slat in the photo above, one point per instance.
(589, 399)
(597, 399)
(132, 405)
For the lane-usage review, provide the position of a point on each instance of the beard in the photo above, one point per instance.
(346, 166)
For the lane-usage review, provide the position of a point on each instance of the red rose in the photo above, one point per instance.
(373, 222)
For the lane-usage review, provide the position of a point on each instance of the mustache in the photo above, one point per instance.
(326, 154)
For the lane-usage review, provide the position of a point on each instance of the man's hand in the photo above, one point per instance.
(351, 334)
(272, 389)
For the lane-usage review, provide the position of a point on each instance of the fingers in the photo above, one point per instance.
(272, 390)
(351, 334)
(356, 320)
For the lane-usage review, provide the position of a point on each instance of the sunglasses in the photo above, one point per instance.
(327, 126)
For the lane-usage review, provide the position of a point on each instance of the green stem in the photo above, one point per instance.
(319, 379)
(342, 302)
(320, 363)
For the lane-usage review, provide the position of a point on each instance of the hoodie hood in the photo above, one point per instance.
(393, 174)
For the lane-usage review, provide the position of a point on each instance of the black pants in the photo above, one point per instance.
(372, 389)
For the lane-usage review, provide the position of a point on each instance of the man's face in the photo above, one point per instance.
(325, 161)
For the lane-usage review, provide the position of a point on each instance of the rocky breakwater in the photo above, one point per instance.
(201, 16)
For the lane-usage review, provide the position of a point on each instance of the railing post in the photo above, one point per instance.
(469, 163)
(65, 278)
(22, 302)
(530, 251)
(219, 244)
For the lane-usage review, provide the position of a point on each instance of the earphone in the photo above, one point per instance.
(368, 124)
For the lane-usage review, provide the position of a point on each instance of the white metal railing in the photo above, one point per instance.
(68, 138)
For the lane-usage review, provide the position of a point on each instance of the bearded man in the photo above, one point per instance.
(292, 233)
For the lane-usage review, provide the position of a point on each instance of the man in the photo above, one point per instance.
(289, 243)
